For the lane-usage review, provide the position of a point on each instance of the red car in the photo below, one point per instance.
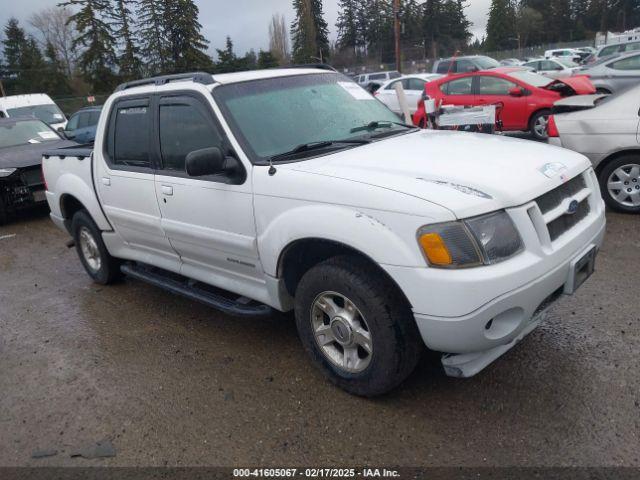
(526, 96)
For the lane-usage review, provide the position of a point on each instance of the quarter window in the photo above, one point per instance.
(184, 129)
(130, 145)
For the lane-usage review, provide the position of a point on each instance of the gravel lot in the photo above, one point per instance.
(171, 382)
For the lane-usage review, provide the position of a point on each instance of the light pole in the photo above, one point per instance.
(396, 30)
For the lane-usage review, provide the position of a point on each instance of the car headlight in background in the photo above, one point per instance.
(5, 172)
(484, 240)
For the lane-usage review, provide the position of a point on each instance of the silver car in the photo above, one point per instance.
(605, 129)
(613, 74)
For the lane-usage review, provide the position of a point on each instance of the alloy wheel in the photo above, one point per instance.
(624, 185)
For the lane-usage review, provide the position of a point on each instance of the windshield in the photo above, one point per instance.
(531, 78)
(276, 115)
(48, 113)
(24, 132)
(486, 63)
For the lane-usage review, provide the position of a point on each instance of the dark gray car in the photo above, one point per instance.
(22, 143)
(615, 73)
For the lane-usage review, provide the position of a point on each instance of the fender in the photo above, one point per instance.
(359, 229)
(72, 184)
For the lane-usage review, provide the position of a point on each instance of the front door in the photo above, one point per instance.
(208, 220)
(492, 90)
(125, 182)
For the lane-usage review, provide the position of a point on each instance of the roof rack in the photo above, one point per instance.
(197, 77)
(320, 66)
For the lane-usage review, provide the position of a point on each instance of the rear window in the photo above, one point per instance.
(393, 75)
(130, 136)
(377, 76)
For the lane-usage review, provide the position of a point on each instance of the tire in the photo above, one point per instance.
(96, 260)
(534, 128)
(603, 91)
(625, 168)
(374, 314)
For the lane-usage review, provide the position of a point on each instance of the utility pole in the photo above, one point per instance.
(2, 94)
(396, 30)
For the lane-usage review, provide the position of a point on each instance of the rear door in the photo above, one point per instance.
(125, 170)
(208, 220)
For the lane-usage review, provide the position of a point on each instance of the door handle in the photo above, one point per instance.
(106, 181)
(167, 190)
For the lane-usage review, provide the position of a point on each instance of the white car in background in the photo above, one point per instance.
(553, 67)
(413, 86)
(36, 105)
(605, 129)
(568, 53)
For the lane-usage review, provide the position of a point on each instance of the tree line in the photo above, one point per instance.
(88, 46)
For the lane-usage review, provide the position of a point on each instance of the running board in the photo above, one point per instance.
(200, 292)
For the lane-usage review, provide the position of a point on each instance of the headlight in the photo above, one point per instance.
(5, 172)
(483, 240)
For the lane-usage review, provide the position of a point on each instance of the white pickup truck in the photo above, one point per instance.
(294, 189)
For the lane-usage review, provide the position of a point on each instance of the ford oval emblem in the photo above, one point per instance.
(573, 207)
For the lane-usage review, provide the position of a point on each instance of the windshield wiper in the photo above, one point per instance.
(380, 124)
(307, 147)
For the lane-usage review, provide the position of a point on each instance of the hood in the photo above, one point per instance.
(28, 155)
(578, 102)
(577, 85)
(469, 174)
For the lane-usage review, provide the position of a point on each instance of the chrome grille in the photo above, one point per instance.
(552, 199)
(559, 222)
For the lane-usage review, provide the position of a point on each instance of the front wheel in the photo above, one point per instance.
(620, 184)
(356, 326)
(96, 260)
(538, 125)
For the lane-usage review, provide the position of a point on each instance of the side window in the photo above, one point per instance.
(378, 76)
(547, 66)
(629, 63)
(416, 84)
(129, 130)
(72, 124)
(443, 67)
(460, 86)
(630, 47)
(534, 65)
(392, 85)
(464, 66)
(184, 128)
(393, 75)
(83, 120)
(93, 118)
(608, 51)
(495, 86)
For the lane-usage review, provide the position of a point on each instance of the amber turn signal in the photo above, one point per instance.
(435, 249)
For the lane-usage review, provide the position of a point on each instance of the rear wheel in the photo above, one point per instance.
(538, 125)
(620, 184)
(356, 326)
(96, 260)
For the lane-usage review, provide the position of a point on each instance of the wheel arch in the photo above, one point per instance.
(614, 156)
(300, 255)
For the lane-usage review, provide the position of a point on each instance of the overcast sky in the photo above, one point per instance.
(246, 21)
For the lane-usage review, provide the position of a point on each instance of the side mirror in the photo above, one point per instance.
(207, 161)
(516, 92)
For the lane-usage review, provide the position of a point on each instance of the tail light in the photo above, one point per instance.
(552, 128)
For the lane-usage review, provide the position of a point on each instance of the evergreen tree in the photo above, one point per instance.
(32, 67)
(186, 44)
(309, 32)
(153, 41)
(266, 60)
(501, 34)
(98, 58)
(55, 79)
(227, 60)
(349, 33)
(128, 60)
(14, 39)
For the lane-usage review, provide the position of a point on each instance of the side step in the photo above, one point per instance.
(211, 296)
